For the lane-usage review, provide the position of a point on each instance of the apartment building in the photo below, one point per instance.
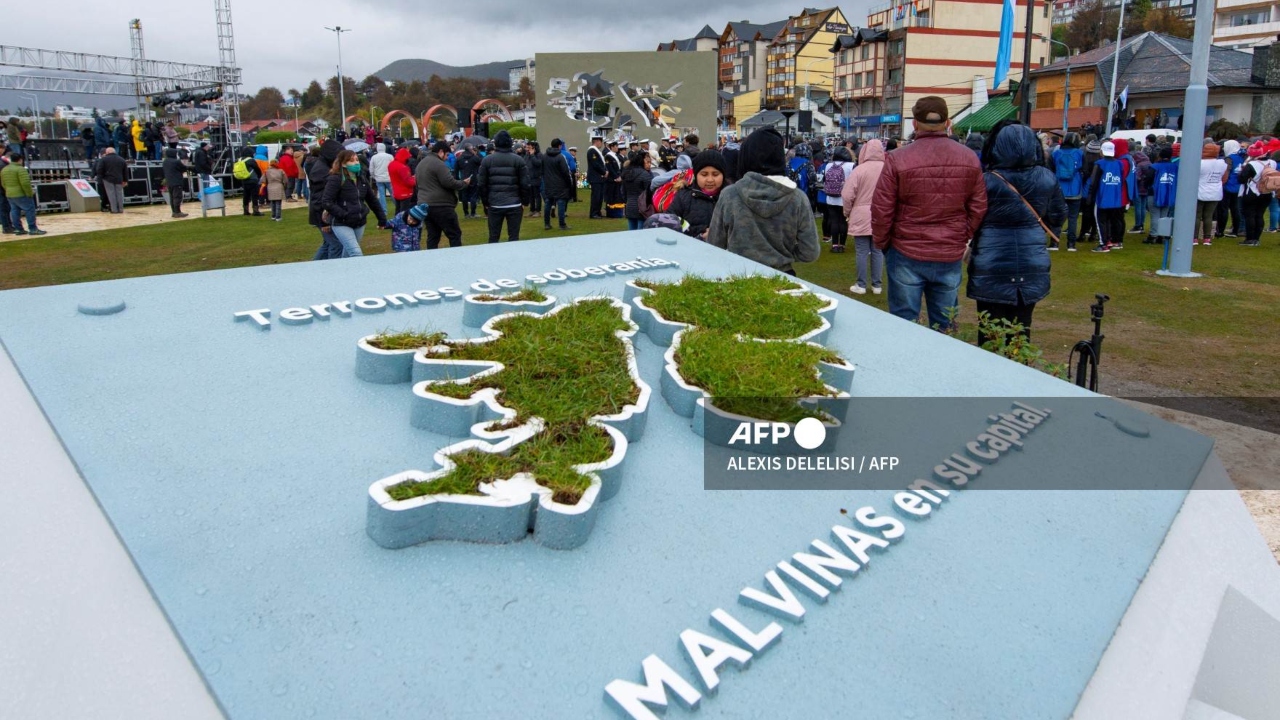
(744, 55)
(928, 47)
(1243, 24)
(799, 58)
(706, 40)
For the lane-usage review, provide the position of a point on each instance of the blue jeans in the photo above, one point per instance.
(1140, 213)
(384, 192)
(19, 206)
(1274, 215)
(159, 149)
(937, 282)
(635, 223)
(557, 206)
(330, 248)
(350, 239)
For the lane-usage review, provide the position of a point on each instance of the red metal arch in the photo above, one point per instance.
(347, 123)
(426, 117)
(490, 117)
(503, 111)
(386, 122)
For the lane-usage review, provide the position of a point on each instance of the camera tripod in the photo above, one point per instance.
(1090, 351)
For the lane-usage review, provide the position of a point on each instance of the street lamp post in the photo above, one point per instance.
(807, 102)
(373, 119)
(342, 96)
(1066, 88)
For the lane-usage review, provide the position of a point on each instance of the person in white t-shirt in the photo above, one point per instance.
(1213, 173)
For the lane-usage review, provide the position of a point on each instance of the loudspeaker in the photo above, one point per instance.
(482, 128)
(804, 121)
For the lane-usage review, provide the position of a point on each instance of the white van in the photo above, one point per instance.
(1140, 136)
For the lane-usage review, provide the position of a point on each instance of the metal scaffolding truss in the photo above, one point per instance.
(160, 70)
(94, 86)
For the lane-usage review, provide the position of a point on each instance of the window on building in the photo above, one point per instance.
(866, 52)
(857, 81)
(892, 106)
(1045, 99)
(895, 76)
(1086, 99)
(844, 82)
(1252, 17)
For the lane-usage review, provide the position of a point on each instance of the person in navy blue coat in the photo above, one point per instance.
(1009, 262)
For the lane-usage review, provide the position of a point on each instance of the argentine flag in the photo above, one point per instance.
(1004, 55)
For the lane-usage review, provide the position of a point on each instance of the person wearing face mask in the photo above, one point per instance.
(348, 197)
(696, 204)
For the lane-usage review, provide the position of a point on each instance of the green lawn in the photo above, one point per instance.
(1216, 335)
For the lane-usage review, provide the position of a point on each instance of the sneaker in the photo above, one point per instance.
(8, 232)
(837, 248)
(1208, 242)
(876, 289)
(1232, 235)
(36, 232)
(1071, 247)
(1053, 246)
(1100, 249)
(857, 290)
(565, 227)
(826, 240)
(1195, 241)
(19, 232)
(1136, 230)
(1251, 243)
(546, 227)
(1116, 246)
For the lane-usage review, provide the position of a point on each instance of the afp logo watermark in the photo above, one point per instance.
(810, 433)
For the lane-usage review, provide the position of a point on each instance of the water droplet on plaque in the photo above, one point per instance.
(201, 590)
(280, 689)
(526, 663)
(213, 668)
(580, 610)
(180, 512)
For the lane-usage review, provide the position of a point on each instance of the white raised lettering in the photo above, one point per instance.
(258, 316)
(858, 542)
(758, 642)
(634, 699)
(707, 655)
(781, 602)
(806, 583)
(822, 565)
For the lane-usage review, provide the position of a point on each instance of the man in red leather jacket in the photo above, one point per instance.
(929, 201)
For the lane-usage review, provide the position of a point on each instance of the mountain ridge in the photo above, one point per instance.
(410, 69)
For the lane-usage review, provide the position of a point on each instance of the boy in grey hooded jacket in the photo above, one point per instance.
(764, 216)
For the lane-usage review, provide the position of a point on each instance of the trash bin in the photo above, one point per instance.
(212, 197)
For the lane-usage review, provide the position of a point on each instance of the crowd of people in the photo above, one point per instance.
(916, 213)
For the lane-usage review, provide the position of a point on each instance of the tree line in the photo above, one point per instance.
(1095, 25)
(414, 97)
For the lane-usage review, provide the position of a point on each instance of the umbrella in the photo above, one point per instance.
(477, 140)
(356, 145)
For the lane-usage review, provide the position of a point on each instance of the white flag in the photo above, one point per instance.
(1124, 98)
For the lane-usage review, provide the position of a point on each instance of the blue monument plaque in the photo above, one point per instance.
(231, 425)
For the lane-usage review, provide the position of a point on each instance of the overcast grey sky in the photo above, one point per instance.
(284, 43)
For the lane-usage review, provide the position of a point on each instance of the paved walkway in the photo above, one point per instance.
(67, 223)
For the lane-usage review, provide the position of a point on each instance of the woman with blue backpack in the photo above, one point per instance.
(1164, 190)
(837, 172)
(1067, 161)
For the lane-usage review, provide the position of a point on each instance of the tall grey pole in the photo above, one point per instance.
(1115, 66)
(342, 95)
(1024, 110)
(1193, 113)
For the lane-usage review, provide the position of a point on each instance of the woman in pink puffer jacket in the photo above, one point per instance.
(858, 190)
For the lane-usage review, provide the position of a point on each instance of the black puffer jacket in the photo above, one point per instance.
(635, 183)
(468, 165)
(1009, 258)
(503, 179)
(694, 207)
(348, 202)
(317, 170)
(557, 179)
